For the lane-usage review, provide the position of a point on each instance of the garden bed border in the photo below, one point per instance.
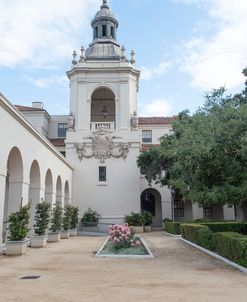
(150, 254)
(172, 235)
(223, 259)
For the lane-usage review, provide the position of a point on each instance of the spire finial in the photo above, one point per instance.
(132, 54)
(74, 61)
(104, 5)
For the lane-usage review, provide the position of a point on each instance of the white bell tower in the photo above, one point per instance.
(102, 140)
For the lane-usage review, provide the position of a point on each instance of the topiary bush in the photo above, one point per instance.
(239, 227)
(232, 246)
(18, 224)
(173, 227)
(199, 234)
(56, 220)
(42, 218)
(74, 217)
(67, 215)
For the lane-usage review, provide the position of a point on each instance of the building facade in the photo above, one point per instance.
(90, 155)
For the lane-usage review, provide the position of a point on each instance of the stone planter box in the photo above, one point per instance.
(65, 234)
(39, 241)
(147, 228)
(54, 237)
(16, 248)
(90, 228)
(137, 229)
(73, 232)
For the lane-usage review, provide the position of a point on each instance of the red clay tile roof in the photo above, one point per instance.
(147, 147)
(26, 108)
(156, 120)
(57, 142)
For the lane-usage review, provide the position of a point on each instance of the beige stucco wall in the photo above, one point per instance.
(17, 132)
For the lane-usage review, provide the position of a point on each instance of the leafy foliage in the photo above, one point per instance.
(42, 218)
(18, 224)
(56, 220)
(67, 216)
(205, 157)
(173, 227)
(74, 217)
(90, 218)
(134, 219)
(147, 218)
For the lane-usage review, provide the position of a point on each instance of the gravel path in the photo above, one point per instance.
(69, 273)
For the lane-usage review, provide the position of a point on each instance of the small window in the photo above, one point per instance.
(102, 174)
(112, 32)
(147, 136)
(62, 128)
(104, 30)
(208, 212)
(96, 32)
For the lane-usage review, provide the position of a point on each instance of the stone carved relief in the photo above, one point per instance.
(102, 146)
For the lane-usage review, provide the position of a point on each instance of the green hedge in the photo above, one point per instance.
(232, 246)
(173, 227)
(238, 227)
(198, 234)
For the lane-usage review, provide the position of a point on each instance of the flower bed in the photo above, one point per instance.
(122, 242)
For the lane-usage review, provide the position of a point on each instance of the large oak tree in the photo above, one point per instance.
(205, 157)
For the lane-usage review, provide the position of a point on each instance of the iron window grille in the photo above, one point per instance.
(147, 136)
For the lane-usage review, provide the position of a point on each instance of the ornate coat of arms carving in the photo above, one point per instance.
(102, 146)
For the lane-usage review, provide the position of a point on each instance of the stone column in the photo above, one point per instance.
(228, 213)
(2, 202)
(197, 211)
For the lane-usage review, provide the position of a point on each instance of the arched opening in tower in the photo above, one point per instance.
(103, 109)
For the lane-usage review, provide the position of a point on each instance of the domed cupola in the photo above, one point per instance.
(104, 45)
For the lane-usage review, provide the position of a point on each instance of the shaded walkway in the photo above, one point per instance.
(71, 273)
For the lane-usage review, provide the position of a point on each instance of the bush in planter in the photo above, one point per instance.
(18, 224)
(147, 218)
(90, 218)
(74, 217)
(56, 220)
(134, 219)
(67, 215)
(42, 218)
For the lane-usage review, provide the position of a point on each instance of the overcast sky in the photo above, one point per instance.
(183, 48)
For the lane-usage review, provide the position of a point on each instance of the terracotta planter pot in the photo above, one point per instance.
(73, 232)
(16, 248)
(54, 237)
(64, 234)
(39, 241)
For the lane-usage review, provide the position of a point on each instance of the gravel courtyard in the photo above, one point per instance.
(69, 273)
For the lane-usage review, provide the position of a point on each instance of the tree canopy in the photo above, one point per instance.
(205, 157)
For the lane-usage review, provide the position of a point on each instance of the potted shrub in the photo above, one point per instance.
(17, 231)
(134, 220)
(74, 220)
(66, 222)
(90, 220)
(147, 220)
(42, 219)
(56, 223)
